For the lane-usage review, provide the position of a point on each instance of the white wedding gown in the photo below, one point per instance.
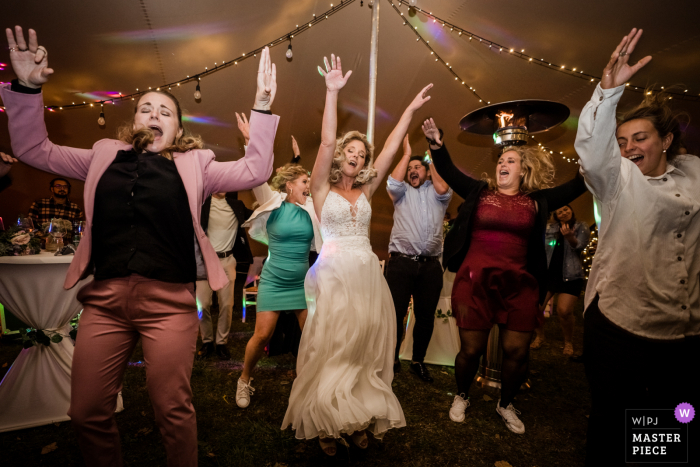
(346, 354)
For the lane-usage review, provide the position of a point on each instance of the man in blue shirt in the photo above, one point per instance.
(415, 247)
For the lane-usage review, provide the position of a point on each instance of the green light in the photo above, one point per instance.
(552, 242)
(596, 213)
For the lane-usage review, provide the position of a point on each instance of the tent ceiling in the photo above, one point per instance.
(106, 47)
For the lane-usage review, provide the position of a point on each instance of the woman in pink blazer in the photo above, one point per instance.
(144, 245)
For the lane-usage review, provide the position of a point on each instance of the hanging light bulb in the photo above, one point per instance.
(412, 3)
(101, 121)
(197, 93)
(289, 53)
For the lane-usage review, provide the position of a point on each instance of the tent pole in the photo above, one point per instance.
(374, 43)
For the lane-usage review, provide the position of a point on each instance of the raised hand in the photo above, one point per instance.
(566, 231)
(244, 126)
(30, 62)
(430, 130)
(421, 98)
(7, 159)
(295, 147)
(618, 71)
(267, 82)
(335, 81)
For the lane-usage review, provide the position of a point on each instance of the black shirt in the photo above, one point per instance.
(142, 222)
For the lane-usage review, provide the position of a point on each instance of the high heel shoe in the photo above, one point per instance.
(328, 446)
(359, 438)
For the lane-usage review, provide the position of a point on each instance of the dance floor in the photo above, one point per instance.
(554, 412)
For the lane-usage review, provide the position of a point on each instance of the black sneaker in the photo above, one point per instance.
(222, 352)
(205, 351)
(421, 370)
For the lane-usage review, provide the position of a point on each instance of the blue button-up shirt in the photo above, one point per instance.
(418, 218)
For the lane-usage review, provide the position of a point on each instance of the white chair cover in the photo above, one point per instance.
(444, 345)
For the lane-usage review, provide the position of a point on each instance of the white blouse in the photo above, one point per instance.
(646, 269)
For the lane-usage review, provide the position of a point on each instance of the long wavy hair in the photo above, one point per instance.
(537, 168)
(287, 173)
(367, 173)
(142, 137)
(655, 108)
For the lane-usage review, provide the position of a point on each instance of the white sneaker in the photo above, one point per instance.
(510, 416)
(459, 405)
(243, 393)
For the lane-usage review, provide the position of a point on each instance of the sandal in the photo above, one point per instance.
(537, 343)
(328, 446)
(359, 438)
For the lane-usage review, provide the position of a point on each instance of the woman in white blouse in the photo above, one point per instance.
(642, 306)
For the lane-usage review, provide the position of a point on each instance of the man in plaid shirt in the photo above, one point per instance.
(58, 206)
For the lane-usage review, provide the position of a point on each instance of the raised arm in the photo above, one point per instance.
(256, 166)
(383, 161)
(596, 144)
(399, 172)
(24, 106)
(564, 194)
(335, 81)
(441, 186)
(460, 182)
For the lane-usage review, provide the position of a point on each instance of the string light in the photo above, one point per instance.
(289, 54)
(198, 93)
(101, 120)
(224, 64)
(523, 56)
(437, 57)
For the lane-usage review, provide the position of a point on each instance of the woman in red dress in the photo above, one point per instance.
(497, 249)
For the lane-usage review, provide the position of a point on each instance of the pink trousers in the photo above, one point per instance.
(116, 313)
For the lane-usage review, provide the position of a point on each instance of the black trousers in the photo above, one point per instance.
(626, 371)
(423, 280)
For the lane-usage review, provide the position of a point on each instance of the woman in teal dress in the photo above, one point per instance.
(286, 222)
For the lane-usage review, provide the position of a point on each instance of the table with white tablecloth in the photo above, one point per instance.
(444, 344)
(36, 389)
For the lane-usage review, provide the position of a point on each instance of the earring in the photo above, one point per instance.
(291, 190)
(664, 150)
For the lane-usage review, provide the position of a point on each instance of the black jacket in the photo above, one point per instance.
(241, 249)
(459, 237)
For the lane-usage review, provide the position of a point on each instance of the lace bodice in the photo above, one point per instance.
(340, 219)
(345, 228)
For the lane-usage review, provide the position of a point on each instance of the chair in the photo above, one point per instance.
(251, 291)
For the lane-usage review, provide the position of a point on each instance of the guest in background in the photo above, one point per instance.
(286, 223)
(415, 247)
(58, 206)
(222, 216)
(565, 239)
(642, 307)
(144, 244)
(497, 248)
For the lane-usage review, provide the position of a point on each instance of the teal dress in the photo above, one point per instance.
(281, 286)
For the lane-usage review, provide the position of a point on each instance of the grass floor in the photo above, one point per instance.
(554, 412)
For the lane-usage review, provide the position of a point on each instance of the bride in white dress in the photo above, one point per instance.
(346, 354)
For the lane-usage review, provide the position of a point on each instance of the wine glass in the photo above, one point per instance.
(57, 229)
(25, 223)
(78, 232)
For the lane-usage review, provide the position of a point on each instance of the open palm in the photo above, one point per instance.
(618, 71)
(335, 81)
(30, 62)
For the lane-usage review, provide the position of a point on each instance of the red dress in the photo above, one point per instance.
(492, 286)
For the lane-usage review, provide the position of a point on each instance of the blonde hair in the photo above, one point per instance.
(142, 137)
(367, 173)
(287, 173)
(537, 169)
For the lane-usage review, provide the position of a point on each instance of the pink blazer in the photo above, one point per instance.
(200, 173)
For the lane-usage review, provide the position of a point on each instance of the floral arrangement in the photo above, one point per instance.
(31, 337)
(16, 241)
(439, 314)
(446, 227)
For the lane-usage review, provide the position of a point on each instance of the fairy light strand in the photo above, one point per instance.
(512, 51)
(438, 59)
(283, 39)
